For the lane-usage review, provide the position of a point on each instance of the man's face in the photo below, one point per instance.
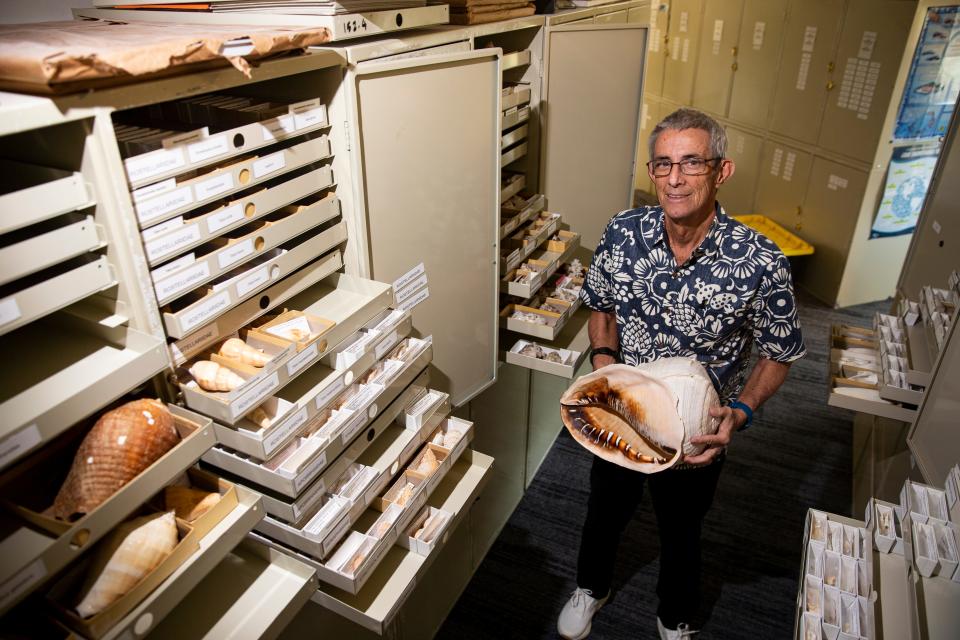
(683, 197)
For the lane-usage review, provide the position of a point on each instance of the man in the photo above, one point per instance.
(680, 279)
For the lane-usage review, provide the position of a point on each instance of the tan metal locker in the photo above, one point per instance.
(638, 15)
(744, 149)
(587, 163)
(716, 61)
(830, 212)
(782, 183)
(657, 50)
(808, 48)
(681, 59)
(615, 17)
(650, 114)
(758, 61)
(866, 66)
(415, 174)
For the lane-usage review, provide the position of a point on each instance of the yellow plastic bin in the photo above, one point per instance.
(790, 244)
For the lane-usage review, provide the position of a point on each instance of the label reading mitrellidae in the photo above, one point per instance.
(308, 472)
(163, 228)
(208, 149)
(15, 445)
(251, 282)
(182, 281)
(211, 187)
(184, 261)
(172, 242)
(204, 311)
(259, 391)
(15, 586)
(182, 349)
(217, 220)
(235, 253)
(278, 127)
(153, 163)
(283, 430)
(153, 190)
(9, 310)
(269, 164)
(148, 210)
(327, 395)
(302, 359)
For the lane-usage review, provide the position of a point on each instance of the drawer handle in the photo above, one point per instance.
(244, 176)
(258, 243)
(238, 141)
(250, 209)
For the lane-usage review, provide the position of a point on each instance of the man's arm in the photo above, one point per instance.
(602, 329)
(765, 379)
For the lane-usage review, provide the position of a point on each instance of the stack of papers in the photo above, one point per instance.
(284, 7)
(482, 11)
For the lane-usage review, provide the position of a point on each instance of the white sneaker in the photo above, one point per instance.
(574, 622)
(682, 631)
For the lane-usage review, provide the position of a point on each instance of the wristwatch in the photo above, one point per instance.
(604, 351)
(743, 406)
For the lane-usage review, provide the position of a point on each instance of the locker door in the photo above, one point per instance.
(428, 136)
(784, 172)
(650, 114)
(659, 17)
(615, 17)
(867, 62)
(591, 121)
(830, 212)
(681, 58)
(717, 56)
(744, 149)
(808, 47)
(758, 61)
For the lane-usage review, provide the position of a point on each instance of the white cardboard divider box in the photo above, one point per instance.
(427, 529)
(379, 336)
(924, 502)
(422, 407)
(186, 151)
(566, 368)
(925, 549)
(317, 537)
(947, 557)
(291, 482)
(885, 520)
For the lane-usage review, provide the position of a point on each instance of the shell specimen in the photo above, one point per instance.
(429, 528)
(624, 416)
(214, 377)
(189, 503)
(237, 349)
(532, 350)
(428, 463)
(121, 444)
(133, 550)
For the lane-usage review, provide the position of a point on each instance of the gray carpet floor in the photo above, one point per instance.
(796, 455)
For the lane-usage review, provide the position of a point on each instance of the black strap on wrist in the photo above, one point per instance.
(604, 351)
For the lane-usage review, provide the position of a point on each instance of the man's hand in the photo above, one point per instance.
(601, 360)
(730, 421)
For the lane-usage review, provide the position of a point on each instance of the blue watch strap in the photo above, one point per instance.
(736, 404)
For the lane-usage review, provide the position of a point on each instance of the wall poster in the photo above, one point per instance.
(905, 189)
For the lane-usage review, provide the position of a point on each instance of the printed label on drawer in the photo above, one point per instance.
(182, 281)
(269, 164)
(207, 149)
(205, 311)
(151, 209)
(353, 427)
(410, 289)
(288, 426)
(308, 113)
(162, 228)
(235, 253)
(14, 445)
(309, 471)
(185, 138)
(409, 277)
(153, 164)
(21, 581)
(154, 190)
(221, 219)
(171, 243)
(367, 393)
(356, 350)
(185, 347)
(386, 344)
(163, 271)
(302, 359)
(214, 186)
(413, 301)
(281, 126)
(248, 283)
(328, 394)
(9, 311)
(339, 530)
(260, 391)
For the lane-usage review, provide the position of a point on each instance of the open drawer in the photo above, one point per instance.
(557, 362)
(172, 197)
(31, 194)
(67, 369)
(36, 546)
(44, 245)
(513, 154)
(510, 185)
(514, 136)
(847, 393)
(514, 116)
(511, 218)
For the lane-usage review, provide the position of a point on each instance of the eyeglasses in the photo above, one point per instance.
(688, 166)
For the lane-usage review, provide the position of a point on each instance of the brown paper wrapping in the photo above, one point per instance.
(45, 55)
(484, 13)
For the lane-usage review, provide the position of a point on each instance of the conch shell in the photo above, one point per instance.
(214, 377)
(237, 349)
(189, 503)
(122, 443)
(132, 550)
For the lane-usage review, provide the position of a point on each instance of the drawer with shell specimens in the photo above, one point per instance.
(68, 496)
(558, 362)
(927, 524)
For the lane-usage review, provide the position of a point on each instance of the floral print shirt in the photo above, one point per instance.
(735, 289)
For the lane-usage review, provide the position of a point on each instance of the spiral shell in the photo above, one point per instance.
(214, 377)
(121, 444)
(237, 349)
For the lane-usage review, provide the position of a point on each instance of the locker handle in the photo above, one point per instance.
(734, 51)
(799, 210)
(734, 66)
(831, 66)
(830, 85)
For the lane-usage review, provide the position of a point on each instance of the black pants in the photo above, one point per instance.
(681, 499)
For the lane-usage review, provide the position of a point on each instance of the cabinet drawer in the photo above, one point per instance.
(567, 367)
(867, 400)
(516, 97)
(48, 247)
(30, 194)
(513, 154)
(184, 234)
(510, 185)
(217, 300)
(515, 59)
(518, 134)
(170, 198)
(514, 116)
(45, 292)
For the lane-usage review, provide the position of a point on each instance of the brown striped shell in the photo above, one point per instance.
(122, 443)
(626, 417)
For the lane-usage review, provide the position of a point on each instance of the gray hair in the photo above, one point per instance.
(684, 118)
